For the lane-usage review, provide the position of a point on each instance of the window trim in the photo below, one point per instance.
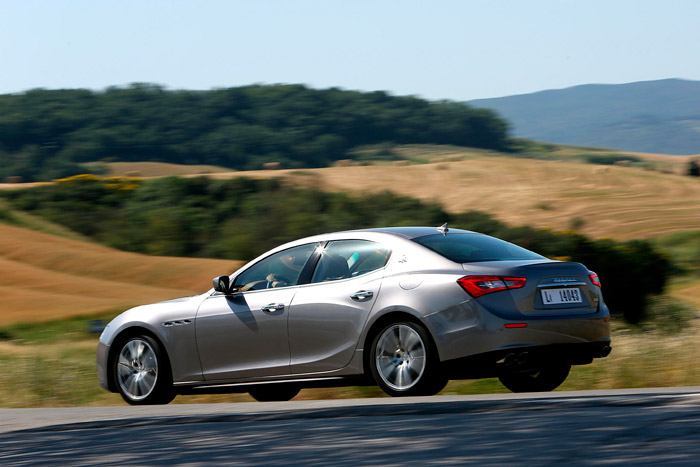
(321, 250)
(313, 257)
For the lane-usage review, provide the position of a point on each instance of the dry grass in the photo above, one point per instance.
(155, 169)
(53, 374)
(686, 289)
(600, 201)
(612, 201)
(46, 277)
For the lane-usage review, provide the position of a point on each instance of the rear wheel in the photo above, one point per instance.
(404, 361)
(544, 379)
(274, 392)
(142, 373)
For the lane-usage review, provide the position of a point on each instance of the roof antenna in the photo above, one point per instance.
(443, 229)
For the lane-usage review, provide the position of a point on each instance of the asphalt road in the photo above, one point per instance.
(650, 426)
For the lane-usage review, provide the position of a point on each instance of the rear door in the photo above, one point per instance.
(327, 315)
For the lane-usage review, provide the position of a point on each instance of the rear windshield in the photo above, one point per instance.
(472, 248)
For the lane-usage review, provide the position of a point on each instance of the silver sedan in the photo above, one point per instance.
(405, 308)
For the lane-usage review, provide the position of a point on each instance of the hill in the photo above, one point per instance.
(45, 277)
(600, 201)
(650, 116)
(48, 134)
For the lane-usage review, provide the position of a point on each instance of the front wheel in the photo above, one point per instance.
(142, 373)
(544, 379)
(404, 361)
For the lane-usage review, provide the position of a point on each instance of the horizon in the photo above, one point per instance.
(168, 88)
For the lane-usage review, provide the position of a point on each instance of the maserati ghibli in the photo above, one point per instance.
(404, 308)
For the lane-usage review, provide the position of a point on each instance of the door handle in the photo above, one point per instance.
(362, 295)
(272, 307)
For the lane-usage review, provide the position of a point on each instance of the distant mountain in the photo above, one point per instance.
(648, 116)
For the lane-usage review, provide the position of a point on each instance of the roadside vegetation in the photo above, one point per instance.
(53, 365)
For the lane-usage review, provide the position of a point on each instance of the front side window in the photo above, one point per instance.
(349, 258)
(279, 270)
(472, 248)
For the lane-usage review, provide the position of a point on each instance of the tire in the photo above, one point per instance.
(404, 361)
(274, 392)
(545, 379)
(142, 373)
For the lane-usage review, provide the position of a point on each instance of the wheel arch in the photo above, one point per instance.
(120, 339)
(383, 320)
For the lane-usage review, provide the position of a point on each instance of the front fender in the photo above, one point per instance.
(171, 322)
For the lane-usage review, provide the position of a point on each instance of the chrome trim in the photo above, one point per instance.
(257, 383)
(562, 284)
(362, 295)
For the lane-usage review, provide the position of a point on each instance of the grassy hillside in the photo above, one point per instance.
(600, 201)
(652, 116)
(44, 277)
(149, 169)
(548, 186)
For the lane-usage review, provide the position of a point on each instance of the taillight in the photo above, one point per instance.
(477, 286)
(594, 278)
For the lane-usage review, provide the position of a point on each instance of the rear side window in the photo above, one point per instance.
(349, 258)
(472, 248)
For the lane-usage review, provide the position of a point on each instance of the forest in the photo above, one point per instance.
(243, 217)
(47, 134)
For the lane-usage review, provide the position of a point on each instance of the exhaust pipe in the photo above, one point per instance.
(513, 359)
(509, 359)
(605, 351)
(522, 358)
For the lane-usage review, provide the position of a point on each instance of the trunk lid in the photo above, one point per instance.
(552, 287)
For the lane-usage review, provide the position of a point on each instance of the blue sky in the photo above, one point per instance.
(435, 49)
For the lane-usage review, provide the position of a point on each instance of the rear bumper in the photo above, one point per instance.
(491, 364)
(468, 329)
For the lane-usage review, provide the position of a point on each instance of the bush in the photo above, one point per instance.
(693, 168)
(610, 159)
(669, 315)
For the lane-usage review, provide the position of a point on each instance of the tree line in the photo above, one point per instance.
(47, 134)
(231, 219)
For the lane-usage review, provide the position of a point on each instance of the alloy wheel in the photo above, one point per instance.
(137, 369)
(400, 357)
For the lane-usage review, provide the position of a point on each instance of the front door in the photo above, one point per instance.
(245, 334)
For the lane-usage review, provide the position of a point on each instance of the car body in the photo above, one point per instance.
(406, 308)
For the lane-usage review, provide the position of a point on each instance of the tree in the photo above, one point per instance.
(46, 134)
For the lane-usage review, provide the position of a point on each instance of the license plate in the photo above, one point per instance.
(559, 296)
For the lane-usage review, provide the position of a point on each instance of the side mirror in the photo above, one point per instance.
(221, 284)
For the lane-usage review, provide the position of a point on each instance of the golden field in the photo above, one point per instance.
(610, 201)
(45, 277)
(153, 169)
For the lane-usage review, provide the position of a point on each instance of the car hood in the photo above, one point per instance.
(176, 300)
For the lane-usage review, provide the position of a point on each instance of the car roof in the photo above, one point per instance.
(411, 232)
